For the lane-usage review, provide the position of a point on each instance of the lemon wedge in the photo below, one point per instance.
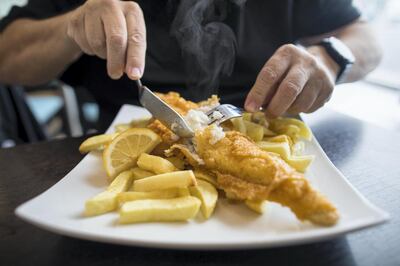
(96, 142)
(123, 151)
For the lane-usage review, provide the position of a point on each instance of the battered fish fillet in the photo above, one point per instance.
(248, 173)
(210, 102)
(185, 153)
(178, 103)
(168, 137)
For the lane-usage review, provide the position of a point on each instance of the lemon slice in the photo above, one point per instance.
(96, 142)
(123, 151)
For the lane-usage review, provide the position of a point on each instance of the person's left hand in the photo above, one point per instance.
(293, 80)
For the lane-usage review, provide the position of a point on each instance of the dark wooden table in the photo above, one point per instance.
(368, 156)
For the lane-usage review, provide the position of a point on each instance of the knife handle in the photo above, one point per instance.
(139, 85)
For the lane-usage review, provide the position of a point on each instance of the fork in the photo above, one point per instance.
(226, 112)
(173, 120)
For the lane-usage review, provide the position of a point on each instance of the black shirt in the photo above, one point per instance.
(259, 28)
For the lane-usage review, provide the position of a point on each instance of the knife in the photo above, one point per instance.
(163, 112)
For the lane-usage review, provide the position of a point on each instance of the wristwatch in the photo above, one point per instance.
(340, 53)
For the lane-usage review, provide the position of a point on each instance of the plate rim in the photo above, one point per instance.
(379, 218)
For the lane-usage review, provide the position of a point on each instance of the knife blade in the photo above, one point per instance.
(163, 112)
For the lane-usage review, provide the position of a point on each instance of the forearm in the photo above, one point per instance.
(34, 52)
(361, 41)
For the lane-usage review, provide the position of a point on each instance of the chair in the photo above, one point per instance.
(17, 123)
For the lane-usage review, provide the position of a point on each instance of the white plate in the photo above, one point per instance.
(60, 208)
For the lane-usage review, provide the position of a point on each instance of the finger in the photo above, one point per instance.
(267, 81)
(287, 92)
(79, 34)
(325, 93)
(116, 40)
(95, 35)
(305, 100)
(320, 101)
(136, 50)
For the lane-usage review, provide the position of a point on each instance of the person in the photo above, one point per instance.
(283, 56)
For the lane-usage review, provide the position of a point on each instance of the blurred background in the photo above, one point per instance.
(57, 110)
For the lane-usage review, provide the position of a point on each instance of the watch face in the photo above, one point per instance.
(342, 49)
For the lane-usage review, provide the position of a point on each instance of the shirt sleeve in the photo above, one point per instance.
(38, 9)
(315, 17)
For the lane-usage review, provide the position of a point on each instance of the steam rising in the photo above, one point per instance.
(208, 44)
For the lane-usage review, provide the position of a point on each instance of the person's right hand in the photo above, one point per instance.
(112, 30)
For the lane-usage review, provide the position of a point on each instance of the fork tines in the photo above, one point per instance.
(223, 112)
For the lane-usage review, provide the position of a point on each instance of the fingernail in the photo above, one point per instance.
(116, 76)
(135, 73)
(251, 106)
